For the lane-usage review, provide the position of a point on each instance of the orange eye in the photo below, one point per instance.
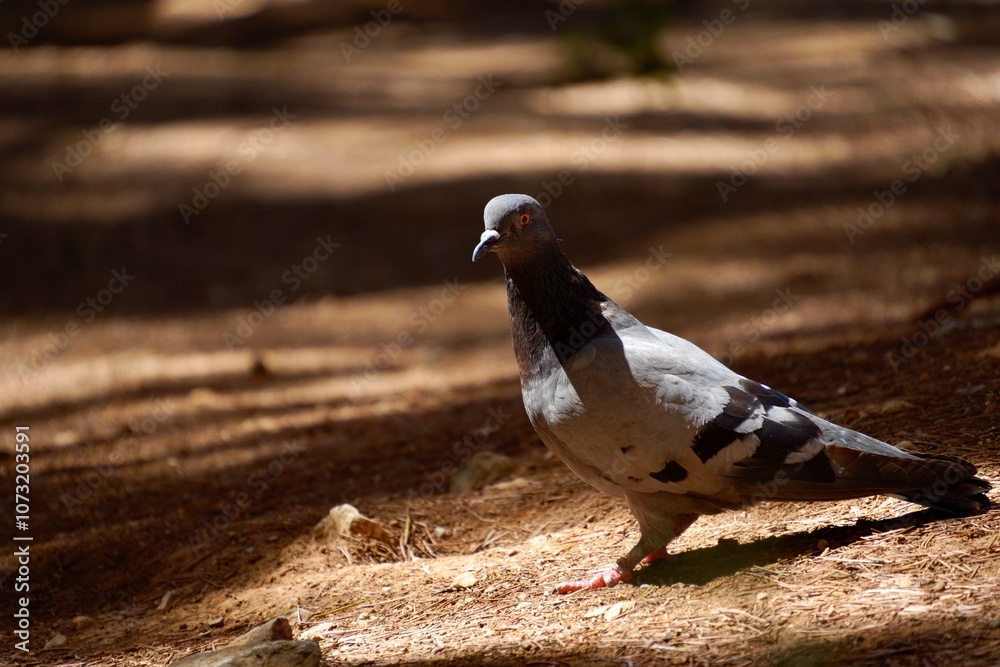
(523, 219)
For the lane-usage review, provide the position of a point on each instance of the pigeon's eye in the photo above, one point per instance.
(523, 219)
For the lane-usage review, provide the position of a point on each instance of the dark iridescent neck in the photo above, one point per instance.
(551, 304)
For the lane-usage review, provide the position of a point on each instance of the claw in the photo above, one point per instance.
(621, 572)
(612, 576)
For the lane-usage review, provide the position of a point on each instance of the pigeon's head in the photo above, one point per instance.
(516, 226)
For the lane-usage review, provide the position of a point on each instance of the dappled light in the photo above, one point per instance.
(236, 240)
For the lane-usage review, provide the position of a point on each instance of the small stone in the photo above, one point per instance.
(217, 622)
(896, 405)
(82, 620)
(481, 469)
(610, 611)
(465, 580)
(822, 545)
(57, 640)
(617, 609)
(276, 629)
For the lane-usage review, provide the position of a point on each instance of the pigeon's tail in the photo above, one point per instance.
(843, 471)
(957, 490)
(938, 481)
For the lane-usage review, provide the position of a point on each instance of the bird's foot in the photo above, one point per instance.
(612, 576)
(659, 554)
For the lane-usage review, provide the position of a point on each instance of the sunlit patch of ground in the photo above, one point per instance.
(151, 421)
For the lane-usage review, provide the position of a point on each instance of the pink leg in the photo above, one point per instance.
(612, 576)
(682, 523)
(659, 554)
(621, 572)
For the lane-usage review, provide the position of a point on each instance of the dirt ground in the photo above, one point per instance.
(189, 438)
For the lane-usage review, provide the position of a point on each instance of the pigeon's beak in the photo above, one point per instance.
(486, 243)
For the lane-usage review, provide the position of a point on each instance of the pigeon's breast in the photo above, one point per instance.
(559, 417)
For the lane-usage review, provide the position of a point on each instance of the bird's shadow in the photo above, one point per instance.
(701, 566)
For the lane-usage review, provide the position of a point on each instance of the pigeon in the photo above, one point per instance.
(651, 418)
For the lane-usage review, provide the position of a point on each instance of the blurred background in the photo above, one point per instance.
(231, 225)
(118, 114)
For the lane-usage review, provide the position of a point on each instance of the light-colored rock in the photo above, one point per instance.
(347, 521)
(611, 611)
(57, 640)
(265, 654)
(465, 580)
(276, 629)
(895, 405)
(481, 469)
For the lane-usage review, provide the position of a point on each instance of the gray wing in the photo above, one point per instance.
(769, 447)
